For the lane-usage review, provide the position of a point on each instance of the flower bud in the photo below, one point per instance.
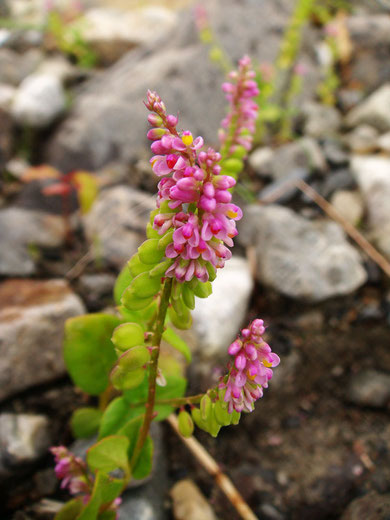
(186, 425)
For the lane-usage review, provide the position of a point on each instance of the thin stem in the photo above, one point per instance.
(181, 401)
(156, 340)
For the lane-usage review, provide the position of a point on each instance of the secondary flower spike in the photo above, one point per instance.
(193, 198)
(250, 370)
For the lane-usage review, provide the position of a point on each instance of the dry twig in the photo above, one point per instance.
(210, 465)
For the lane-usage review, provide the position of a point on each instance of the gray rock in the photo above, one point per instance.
(32, 317)
(21, 230)
(189, 503)
(7, 94)
(339, 180)
(372, 174)
(373, 111)
(334, 153)
(111, 32)
(284, 189)
(108, 119)
(15, 67)
(370, 388)
(302, 259)
(304, 154)
(116, 224)
(6, 137)
(372, 506)
(39, 101)
(362, 139)
(349, 204)
(320, 120)
(23, 439)
(261, 161)
(95, 286)
(370, 36)
(217, 319)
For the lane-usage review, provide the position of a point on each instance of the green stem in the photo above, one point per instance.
(181, 401)
(156, 340)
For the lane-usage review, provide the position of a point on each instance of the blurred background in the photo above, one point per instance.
(312, 257)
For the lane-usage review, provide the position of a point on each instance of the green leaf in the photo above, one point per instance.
(85, 422)
(88, 351)
(171, 337)
(145, 461)
(149, 253)
(107, 515)
(122, 282)
(109, 454)
(128, 335)
(70, 510)
(116, 415)
(105, 490)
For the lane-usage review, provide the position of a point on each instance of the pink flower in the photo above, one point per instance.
(251, 369)
(71, 470)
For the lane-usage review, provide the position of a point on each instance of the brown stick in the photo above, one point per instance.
(210, 465)
(349, 228)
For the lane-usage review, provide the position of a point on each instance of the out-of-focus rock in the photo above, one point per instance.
(338, 180)
(304, 154)
(7, 94)
(189, 503)
(261, 161)
(372, 174)
(217, 319)
(6, 137)
(370, 388)
(302, 259)
(115, 226)
(363, 139)
(32, 317)
(320, 120)
(384, 143)
(23, 439)
(59, 67)
(372, 506)
(39, 101)
(334, 152)
(111, 32)
(15, 67)
(21, 231)
(349, 204)
(373, 111)
(370, 37)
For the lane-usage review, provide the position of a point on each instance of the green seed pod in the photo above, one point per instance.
(179, 321)
(134, 358)
(160, 268)
(128, 335)
(239, 152)
(133, 302)
(186, 425)
(144, 286)
(181, 310)
(203, 290)
(205, 407)
(212, 271)
(177, 288)
(235, 417)
(232, 165)
(151, 232)
(197, 417)
(223, 417)
(123, 380)
(149, 252)
(136, 267)
(165, 240)
(152, 215)
(212, 423)
(188, 296)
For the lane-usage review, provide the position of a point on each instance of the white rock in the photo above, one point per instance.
(372, 174)
(302, 259)
(362, 139)
(261, 161)
(349, 204)
(189, 503)
(218, 318)
(320, 120)
(32, 318)
(39, 101)
(384, 142)
(374, 111)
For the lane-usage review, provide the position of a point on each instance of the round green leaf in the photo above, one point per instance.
(85, 422)
(109, 454)
(88, 352)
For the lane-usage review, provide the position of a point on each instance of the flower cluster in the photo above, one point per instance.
(239, 125)
(251, 369)
(71, 470)
(193, 197)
